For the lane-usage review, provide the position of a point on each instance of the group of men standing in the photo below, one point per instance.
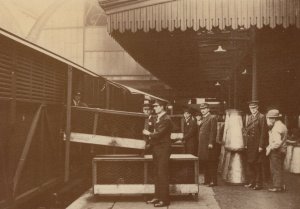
(265, 136)
(199, 139)
(266, 139)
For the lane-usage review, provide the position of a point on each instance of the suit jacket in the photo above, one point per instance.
(148, 125)
(207, 135)
(162, 131)
(278, 137)
(80, 103)
(256, 134)
(190, 136)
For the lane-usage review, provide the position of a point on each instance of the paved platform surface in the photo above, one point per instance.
(223, 196)
(238, 197)
(205, 200)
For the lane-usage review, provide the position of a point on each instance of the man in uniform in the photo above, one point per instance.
(207, 145)
(161, 149)
(189, 132)
(255, 132)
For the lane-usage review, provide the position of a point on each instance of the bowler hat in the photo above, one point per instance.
(253, 103)
(273, 113)
(203, 106)
(78, 93)
(188, 110)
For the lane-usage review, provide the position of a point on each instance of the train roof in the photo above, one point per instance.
(69, 62)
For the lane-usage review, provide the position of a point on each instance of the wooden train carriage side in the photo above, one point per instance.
(33, 97)
(32, 94)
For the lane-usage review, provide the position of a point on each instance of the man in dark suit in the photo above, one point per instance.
(149, 123)
(255, 133)
(207, 145)
(77, 100)
(161, 149)
(189, 132)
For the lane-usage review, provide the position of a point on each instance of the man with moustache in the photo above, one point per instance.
(255, 132)
(207, 145)
(276, 149)
(161, 149)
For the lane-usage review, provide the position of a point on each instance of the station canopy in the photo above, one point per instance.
(158, 15)
(198, 46)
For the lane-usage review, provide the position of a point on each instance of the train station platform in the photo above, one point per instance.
(205, 200)
(223, 196)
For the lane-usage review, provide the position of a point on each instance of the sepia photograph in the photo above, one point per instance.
(139, 104)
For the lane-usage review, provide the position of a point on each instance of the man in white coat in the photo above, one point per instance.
(276, 149)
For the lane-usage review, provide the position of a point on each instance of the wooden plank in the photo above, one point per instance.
(68, 124)
(107, 96)
(95, 125)
(173, 157)
(25, 150)
(42, 148)
(117, 112)
(94, 174)
(107, 140)
(118, 189)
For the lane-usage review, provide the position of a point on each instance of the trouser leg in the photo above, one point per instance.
(258, 174)
(155, 174)
(207, 172)
(266, 170)
(162, 181)
(213, 166)
(251, 172)
(276, 165)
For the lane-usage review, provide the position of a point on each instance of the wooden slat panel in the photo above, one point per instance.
(107, 140)
(143, 189)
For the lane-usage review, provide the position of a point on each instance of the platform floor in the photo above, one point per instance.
(223, 196)
(205, 200)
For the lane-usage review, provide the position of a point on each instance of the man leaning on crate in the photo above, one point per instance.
(161, 149)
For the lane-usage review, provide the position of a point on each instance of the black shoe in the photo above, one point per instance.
(160, 204)
(249, 185)
(257, 187)
(153, 201)
(275, 190)
(212, 184)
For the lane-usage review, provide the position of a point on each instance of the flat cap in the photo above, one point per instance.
(253, 103)
(273, 113)
(203, 106)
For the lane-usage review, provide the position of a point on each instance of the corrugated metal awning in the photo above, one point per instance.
(171, 14)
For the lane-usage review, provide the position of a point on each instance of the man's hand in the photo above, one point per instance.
(146, 132)
(260, 149)
(268, 150)
(210, 146)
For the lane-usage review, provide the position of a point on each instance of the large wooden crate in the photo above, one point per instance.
(124, 174)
